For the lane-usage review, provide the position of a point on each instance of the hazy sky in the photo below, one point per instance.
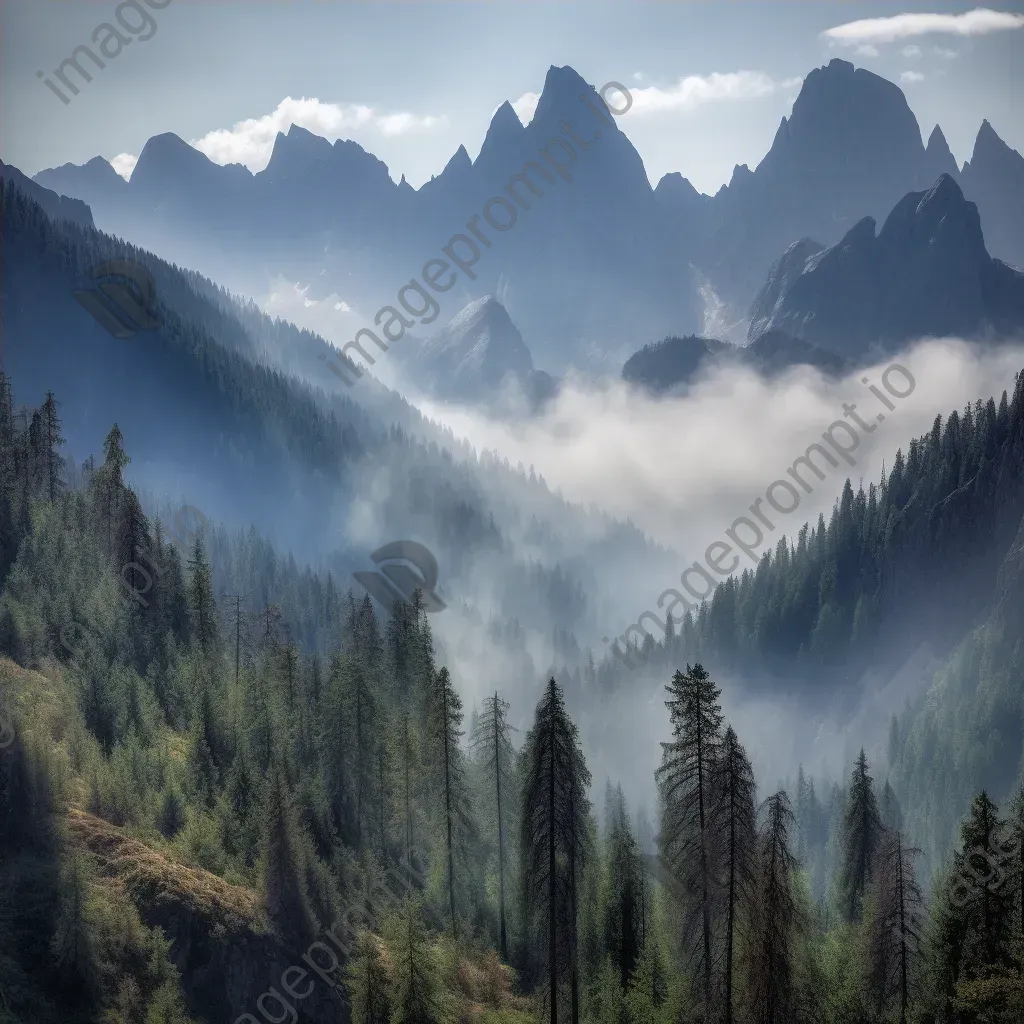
(411, 82)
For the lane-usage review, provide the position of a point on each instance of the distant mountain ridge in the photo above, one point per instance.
(926, 272)
(590, 258)
(592, 262)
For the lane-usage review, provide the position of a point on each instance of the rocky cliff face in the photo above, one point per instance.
(927, 272)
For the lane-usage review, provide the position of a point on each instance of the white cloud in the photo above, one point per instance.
(911, 51)
(910, 77)
(696, 90)
(941, 51)
(124, 164)
(526, 106)
(981, 21)
(866, 50)
(250, 142)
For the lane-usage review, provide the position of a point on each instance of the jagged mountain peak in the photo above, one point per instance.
(294, 152)
(504, 133)
(473, 353)
(168, 157)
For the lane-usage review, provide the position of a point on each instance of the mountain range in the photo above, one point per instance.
(596, 266)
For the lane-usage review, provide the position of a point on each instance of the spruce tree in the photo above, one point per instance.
(447, 756)
(777, 919)
(492, 744)
(554, 840)
(862, 837)
(624, 903)
(201, 600)
(895, 931)
(52, 440)
(736, 831)
(686, 779)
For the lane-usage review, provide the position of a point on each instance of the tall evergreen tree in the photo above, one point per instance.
(554, 840)
(624, 901)
(201, 600)
(895, 932)
(446, 731)
(491, 741)
(862, 837)
(736, 831)
(777, 919)
(686, 779)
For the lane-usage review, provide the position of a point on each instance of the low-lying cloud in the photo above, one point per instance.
(682, 468)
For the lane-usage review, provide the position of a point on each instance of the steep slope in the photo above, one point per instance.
(216, 417)
(851, 148)
(994, 179)
(926, 273)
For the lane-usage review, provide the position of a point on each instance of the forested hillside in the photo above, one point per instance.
(220, 406)
(184, 814)
(913, 557)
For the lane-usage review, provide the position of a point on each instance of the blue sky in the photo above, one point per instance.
(411, 82)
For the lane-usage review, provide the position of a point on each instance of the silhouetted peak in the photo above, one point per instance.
(561, 94)
(937, 142)
(505, 128)
(989, 144)
(459, 162)
(169, 158)
(674, 185)
(295, 151)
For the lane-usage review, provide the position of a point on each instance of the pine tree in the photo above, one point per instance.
(862, 837)
(493, 746)
(52, 440)
(896, 927)
(446, 731)
(986, 913)
(201, 601)
(686, 779)
(777, 919)
(554, 843)
(109, 481)
(624, 904)
(735, 827)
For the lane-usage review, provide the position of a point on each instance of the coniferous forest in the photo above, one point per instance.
(195, 791)
(318, 702)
